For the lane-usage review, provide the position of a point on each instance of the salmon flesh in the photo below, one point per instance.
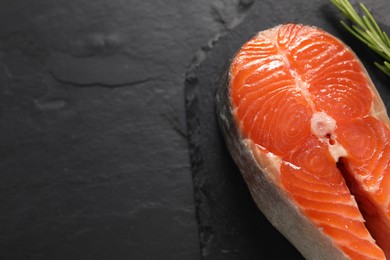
(310, 134)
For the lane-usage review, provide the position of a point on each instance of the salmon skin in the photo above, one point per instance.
(310, 134)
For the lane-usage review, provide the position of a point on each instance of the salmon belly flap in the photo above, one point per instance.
(302, 95)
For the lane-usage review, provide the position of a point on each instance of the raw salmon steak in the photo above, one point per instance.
(310, 134)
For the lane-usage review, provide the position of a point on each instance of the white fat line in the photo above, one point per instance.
(292, 165)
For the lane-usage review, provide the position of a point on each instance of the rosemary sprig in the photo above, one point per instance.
(367, 30)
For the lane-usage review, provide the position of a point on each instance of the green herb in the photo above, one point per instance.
(366, 29)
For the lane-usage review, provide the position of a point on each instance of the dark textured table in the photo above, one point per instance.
(94, 158)
(95, 162)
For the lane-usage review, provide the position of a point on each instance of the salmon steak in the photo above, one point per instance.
(310, 134)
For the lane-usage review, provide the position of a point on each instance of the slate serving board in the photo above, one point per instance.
(230, 225)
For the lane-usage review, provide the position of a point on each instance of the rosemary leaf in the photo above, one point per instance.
(366, 29)
(372, 20)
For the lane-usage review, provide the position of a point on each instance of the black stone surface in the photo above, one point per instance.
(231, 227)
(94, 160)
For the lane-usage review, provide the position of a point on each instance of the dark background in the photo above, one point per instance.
(94, 155)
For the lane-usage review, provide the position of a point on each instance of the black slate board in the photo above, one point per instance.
(230, 225)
